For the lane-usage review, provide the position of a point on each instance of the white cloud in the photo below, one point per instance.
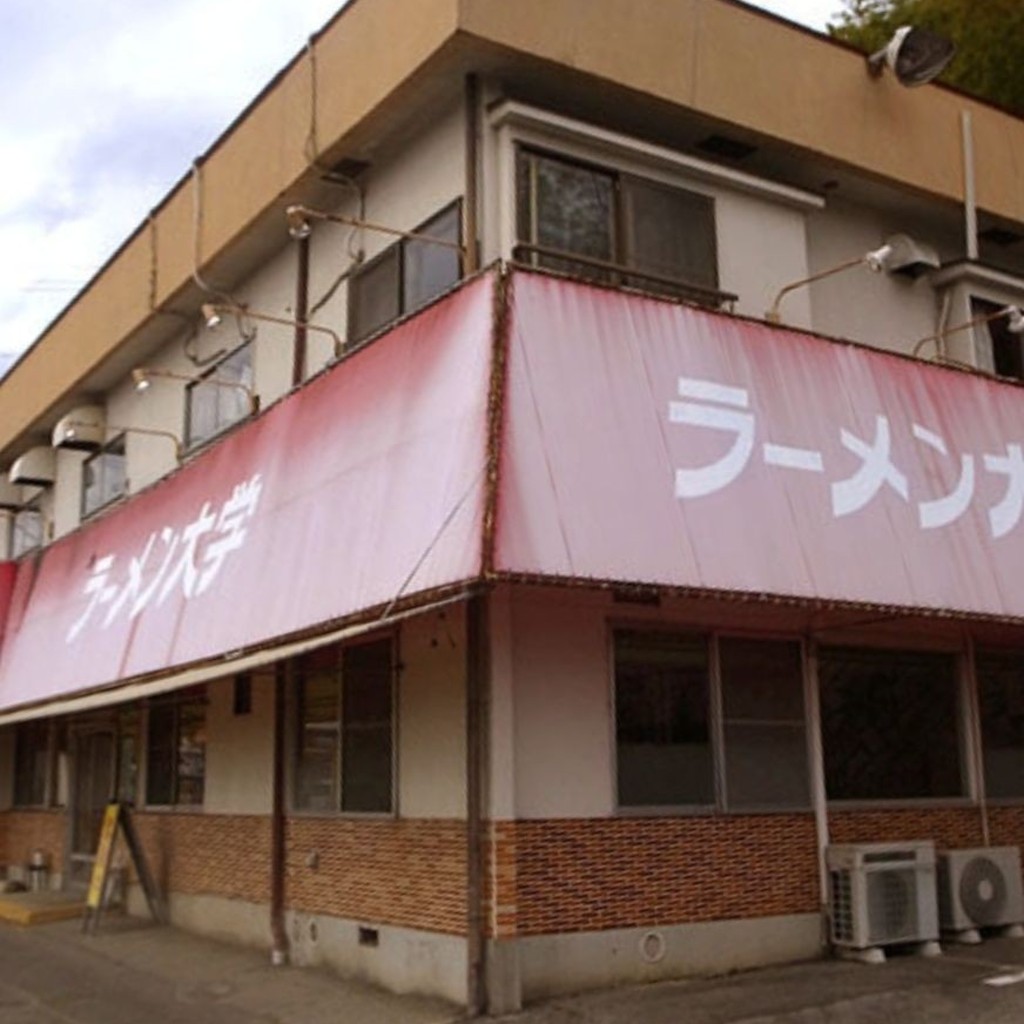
(106, 104)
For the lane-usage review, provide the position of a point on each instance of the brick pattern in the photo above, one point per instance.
(949, 827)
(409, 872)
(1006, 826)
(21, 832)
(592, 874)
(211, 854)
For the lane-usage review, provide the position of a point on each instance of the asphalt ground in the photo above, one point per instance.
(133, 972)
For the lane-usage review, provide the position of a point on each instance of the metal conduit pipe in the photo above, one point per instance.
(279, 952)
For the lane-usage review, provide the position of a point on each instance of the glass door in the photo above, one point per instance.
(93, 751)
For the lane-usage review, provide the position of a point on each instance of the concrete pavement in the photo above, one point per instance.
(133, 972)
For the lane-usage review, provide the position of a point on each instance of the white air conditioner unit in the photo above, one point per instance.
(83, 429)
(10, 496)
(882, 894)
(979, 889)
(36, 468)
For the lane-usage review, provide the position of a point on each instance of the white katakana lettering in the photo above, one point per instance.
(793, 458)
(230, 528)
(185, 572)
(694, 483)
(99, 591)
(1004, 516)
(943, 511)
(877, 468)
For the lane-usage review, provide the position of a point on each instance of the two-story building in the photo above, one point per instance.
(479, 567)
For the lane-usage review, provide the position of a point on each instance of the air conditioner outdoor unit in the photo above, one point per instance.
(883, 894)
(36, 468)
(979, 889)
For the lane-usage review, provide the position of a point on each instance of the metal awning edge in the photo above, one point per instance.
(208, 671)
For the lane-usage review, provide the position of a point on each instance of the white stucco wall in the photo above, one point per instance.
(431, 716)
(886, 311)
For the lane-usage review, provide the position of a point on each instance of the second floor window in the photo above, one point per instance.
(26, 531)
(220, 397)
(624, 229)
(406, 275)
(104, 476)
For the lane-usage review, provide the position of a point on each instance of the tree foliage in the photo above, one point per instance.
(989, 36)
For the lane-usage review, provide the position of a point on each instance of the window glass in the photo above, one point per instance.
(317, 761)
(31, 759)
(1007, 348)
(345, 720)
(763, 718)
(221, 397)
(176, 751)
(375, 295)
(890, 724)
(569, 208)
(670, 233)
(1001, 701)
(26, 531)
(104, 476)
(662, 723)
(632, 223)
(429, 269)
(366, 735)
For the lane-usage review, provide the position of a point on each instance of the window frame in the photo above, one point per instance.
(48, 771)
(175, 701)
(29, 508)
(617, 271)
(998, 652)
(191, 443)
(397, 252)
(720, 804)
(294, 726)
(109, 447)
(966, 703)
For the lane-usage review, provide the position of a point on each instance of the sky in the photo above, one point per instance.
(106, 103)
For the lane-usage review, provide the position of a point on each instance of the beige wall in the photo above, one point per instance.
(562, 694)
(239, 749)
(431, 716)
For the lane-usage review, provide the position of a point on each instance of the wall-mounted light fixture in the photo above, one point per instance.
(71, 426)
(143, 377)
(914, 55)
(1013, 314)
(213, 314)
(300, 226)
(875, 260)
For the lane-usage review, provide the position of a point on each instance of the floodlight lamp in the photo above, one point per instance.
(877, 260)
(914, 55)
(141, 379)
(211, 314)
(298, 223)
(1015, 318)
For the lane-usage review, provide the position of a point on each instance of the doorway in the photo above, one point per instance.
(93, 773)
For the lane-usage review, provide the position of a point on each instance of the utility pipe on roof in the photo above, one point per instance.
(970, 194)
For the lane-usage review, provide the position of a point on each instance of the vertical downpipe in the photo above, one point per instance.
(301, 312)
(970, 192)
(975, 738)
(816, 759)
(470, 228)
(477, 647)
(279, 953)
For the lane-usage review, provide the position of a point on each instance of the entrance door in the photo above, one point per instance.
(92, 787)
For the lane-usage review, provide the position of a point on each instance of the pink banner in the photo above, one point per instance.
(655, 443)
(364, 486)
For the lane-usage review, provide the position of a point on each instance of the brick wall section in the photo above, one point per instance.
(211, 854)
(405, 872)
(949, 827)
(1006, 826)
(592, 874)
(23, 831)
(501, 874)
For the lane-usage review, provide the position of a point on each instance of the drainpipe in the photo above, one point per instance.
(301, 311)
(477, 644)
(816, 758)
(470, 229)
(279, 952)
(970, 196)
